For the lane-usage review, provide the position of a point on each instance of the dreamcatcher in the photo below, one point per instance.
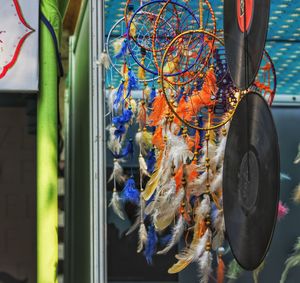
(175, 57)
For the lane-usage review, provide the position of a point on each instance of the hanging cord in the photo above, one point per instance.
(55, 41)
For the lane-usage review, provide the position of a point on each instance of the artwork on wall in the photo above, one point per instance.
(19, 21)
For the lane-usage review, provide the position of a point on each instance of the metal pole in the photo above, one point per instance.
(47, 187)
(97, 153)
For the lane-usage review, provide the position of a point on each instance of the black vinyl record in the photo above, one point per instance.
(251, 181)
(245, 32)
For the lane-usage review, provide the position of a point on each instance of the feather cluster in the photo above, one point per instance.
(177, 232)
(180, 168)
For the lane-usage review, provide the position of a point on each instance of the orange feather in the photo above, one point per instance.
(197, 140)
(158, 139)
(159, 108)
(195, 103)
(201, 229)
(190, 142)
(193, 174)
(178, 177)
(184, 111)
(142, 115)
(221, 269)
(209, 87)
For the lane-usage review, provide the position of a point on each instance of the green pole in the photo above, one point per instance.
(47, 151)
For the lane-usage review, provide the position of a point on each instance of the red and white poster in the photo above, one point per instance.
(19, 48)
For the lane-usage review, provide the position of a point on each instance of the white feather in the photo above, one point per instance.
(161, 193)
(179, 152)
(221, 149)
(219, 226)
(115, 203)
(217, 181)
(138, 138)
(113, 143)
(117, 44)
(176, 235)
(141, 141)
(164, 195)
(150, 207)
(193, 253)
(133, 105)
(168, 191)
(104, 60)
(167, 170)
(117, 173)
(198, 186)
(205, 263)
(204, 208)
(139, 218)
(143, 166)
(167, 210)
(143, 236)
(218, 157)
(110, 99)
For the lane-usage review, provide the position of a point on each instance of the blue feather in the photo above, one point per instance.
(150, 161)
(201, 125)
(119, 95)
(191, 131)
(124, 118)
(214, 212)
(180, 131)
(120, 121)
(150, 199)
(150, 248)
(165, 240)
(128, 150)
(132, 82)
(180, 94)
(123, 50)
(120, 131)
(130, 193)
(152, 96)
(193, 200)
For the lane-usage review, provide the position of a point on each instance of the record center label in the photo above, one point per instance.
(244, 14)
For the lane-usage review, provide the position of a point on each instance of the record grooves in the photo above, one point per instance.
(245, 32)
(251, 181)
